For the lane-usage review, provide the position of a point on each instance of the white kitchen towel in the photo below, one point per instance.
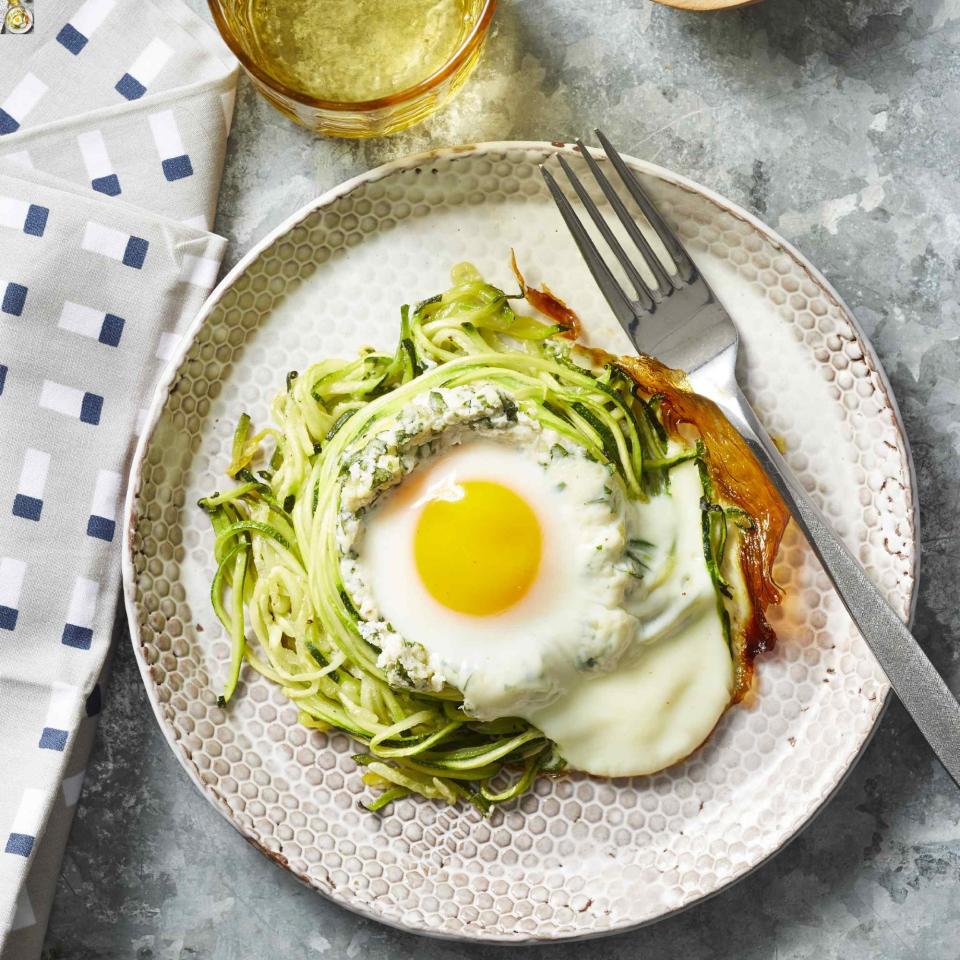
(114, 117)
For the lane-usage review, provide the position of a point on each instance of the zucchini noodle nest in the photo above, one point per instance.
(278, 587)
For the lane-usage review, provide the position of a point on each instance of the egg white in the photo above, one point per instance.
(667, 693)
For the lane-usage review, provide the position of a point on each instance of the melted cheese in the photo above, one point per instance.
(665, 696)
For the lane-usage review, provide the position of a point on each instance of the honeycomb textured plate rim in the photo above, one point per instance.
(534, 152)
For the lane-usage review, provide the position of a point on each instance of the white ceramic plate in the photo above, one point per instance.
(577, 856)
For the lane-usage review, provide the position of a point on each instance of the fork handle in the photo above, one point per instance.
(911, 674)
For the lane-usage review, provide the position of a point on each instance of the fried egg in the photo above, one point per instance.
(471, 557)
(509, 566)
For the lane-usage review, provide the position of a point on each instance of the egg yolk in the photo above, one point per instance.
(479, 553)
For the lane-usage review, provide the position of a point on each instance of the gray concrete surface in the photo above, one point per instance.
(838, 122)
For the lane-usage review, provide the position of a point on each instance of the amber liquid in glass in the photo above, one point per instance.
(354, 50)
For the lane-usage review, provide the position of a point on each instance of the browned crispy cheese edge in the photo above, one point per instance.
(738, 480)
(543, 301)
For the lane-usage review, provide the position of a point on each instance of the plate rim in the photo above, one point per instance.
(168, 377)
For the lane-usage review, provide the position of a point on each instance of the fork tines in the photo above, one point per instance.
(647, 296)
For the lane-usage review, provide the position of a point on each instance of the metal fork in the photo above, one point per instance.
(679, 319)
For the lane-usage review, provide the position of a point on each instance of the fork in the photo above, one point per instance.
(678, 319)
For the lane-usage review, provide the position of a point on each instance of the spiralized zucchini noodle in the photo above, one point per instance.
(278, 589)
